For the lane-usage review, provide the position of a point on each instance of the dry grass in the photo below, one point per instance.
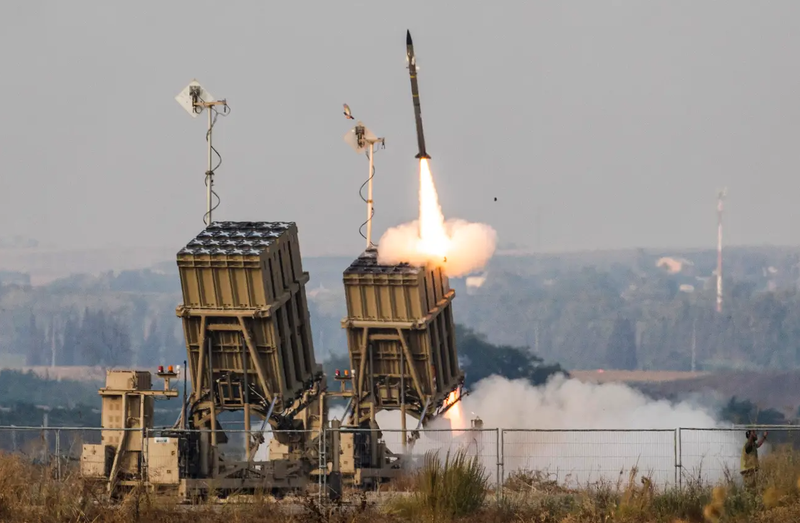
(444, 490)
(452, 489)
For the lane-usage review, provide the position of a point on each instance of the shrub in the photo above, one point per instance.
(446, 489)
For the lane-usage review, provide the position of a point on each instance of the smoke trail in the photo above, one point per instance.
(459, 247)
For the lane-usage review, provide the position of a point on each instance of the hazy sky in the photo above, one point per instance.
(615, 122)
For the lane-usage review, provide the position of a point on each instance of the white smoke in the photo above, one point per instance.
(470, 247)
(579, 432)
(564, 403)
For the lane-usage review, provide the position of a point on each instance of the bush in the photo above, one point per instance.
(445, 490)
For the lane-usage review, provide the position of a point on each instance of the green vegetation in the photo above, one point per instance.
(584, 311)
(25, 398)
(588, 312)
(481, 359)
(442, 491)
(746, 412)
(108, 320)
(28, 388)
(28, 415)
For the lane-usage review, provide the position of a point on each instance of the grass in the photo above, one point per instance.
(443, 490)
(450, 488)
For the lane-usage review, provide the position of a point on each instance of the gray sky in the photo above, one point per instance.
(619, 120)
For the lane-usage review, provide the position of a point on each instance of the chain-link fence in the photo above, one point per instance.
(481, 444)
(571, 458)
(714, 455)
(575, 458)
(58, 448)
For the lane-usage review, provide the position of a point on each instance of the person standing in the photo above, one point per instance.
(749, 464)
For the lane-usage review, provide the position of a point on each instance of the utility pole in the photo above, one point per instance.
(720, 198)
(694, 344)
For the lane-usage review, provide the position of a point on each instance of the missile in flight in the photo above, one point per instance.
(412, 71)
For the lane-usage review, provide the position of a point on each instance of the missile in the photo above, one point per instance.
(412, 71)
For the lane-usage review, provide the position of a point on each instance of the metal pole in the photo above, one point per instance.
(58, 454)
(145, 456)
(209, 172)
(213, 401)
(143, 427)
(679, 453)
(371, 154)
(499, 438)
(245, 368)
(675, 453)
(403, 401)
(46, 449)
(184, 409)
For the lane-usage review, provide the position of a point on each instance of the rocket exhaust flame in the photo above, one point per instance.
(433, 239)
(457, 246)
(453, 413)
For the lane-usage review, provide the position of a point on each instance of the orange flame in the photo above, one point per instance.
(454, 413)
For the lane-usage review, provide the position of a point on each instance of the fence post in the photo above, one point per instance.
(675, 454)
(322, 464)
(679, 457)
(499, 477)
(145, 454)
(58, 454)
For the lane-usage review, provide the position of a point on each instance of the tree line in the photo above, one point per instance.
(95, 337)
(593, 319)
(615, 313)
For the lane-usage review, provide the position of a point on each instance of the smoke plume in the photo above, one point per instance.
(459, 247)
(470, 247)
(572, 404)
(575, 432)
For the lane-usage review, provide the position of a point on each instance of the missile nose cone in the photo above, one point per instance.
(408, 38)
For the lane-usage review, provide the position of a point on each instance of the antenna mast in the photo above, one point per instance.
(194, 99)
(362, 139)
(720, 199)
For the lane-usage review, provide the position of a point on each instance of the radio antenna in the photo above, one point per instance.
(362, 139)
(194, 99)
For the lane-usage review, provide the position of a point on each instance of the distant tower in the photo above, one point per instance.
(720, 198)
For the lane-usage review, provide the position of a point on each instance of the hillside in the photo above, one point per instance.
(624, 310)
(767, 390)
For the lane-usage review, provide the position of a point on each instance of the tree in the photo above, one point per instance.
(481, 359)
(744, 412)
(115, 342)
(105, 339)
(35, 354)
(151, 346)
(69, 353)
(621, 351)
